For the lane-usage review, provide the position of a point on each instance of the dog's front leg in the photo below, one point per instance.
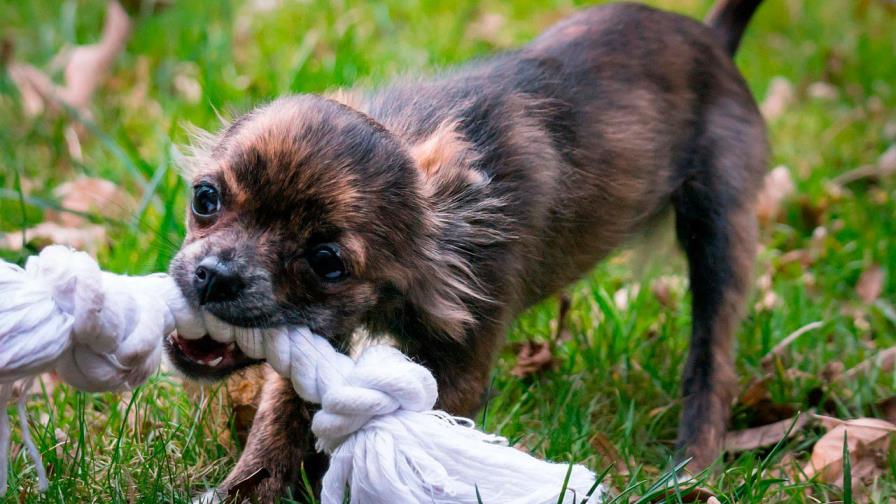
(280, 445)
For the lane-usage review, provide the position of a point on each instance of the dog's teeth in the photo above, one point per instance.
(231, 347)
(215, 362)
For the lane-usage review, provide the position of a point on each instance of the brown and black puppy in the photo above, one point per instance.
(435, 211)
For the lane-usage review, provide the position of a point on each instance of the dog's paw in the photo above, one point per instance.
(213, 496)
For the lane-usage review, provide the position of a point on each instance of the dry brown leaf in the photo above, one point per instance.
(186, 82)
(489, 27)
(777, 186)
(887, 162)
(778, 351)
(87, 238)
(755, 392)
(832, 371)
(780, 96)
(668, 289)
(885, 167)
(609, 452)
(244, 389)
(533, 358)
(85, 68)
(870, 284)
(866, 438)
(887, 409)
(768, 301)
(693, 494)
(34, 87)
(822, 91)
(84, 195)
(88, 65)
(883, 361)
(765, 435)
(90, 195)
(802, 256)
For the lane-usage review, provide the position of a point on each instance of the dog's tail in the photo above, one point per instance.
(729, 19)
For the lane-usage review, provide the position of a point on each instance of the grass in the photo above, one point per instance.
(618, 374)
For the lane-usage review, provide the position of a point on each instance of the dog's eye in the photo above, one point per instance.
(205, 200)
(326, 263)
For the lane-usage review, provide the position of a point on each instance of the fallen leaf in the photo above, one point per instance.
(768, 301)
(832, 371)
(687, 494)
(84, 195)
(780, 96)
(777, 186)
(887, 161)
(765, 435)
(885, 167)
(85, 68)
(755, 392)
(668, 289)
(866, 438)
(489, 27)
(887, 409)
(801, 256)
(87, 238)
(34, 87)
(186, 82)
(607, 450)
(244, 389)
(533, 358)
(88, 65)
(768, 360)
(882, 361)
(61, 442)
(90, 195)
(822, 91)
(870, 284)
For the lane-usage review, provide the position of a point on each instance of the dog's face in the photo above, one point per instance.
(301, 212)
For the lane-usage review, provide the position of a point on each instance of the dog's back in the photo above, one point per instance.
(598, 121)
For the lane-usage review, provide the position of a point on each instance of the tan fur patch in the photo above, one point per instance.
(443, 148)
(239, 196)
(357, 250)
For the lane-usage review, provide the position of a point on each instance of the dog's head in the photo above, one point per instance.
(302, 212)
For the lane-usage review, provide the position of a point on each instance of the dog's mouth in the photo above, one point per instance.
(205, 357)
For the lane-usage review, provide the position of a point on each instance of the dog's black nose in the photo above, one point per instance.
(214, 280)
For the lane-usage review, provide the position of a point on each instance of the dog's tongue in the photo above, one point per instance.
(207, 351)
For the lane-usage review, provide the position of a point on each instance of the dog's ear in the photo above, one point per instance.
(457, 193)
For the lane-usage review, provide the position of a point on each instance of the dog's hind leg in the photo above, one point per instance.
(716, 227)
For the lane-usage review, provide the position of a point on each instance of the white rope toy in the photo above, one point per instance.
(101, 331)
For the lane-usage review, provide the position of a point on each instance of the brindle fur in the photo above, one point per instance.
(463, 199)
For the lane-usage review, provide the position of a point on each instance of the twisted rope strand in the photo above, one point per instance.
(103, 332)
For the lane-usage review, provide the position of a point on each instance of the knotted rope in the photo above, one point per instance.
(101, 331)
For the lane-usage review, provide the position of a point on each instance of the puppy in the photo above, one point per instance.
(435, 211)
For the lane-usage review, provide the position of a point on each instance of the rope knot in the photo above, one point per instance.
(108, 326)
(382, 381)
